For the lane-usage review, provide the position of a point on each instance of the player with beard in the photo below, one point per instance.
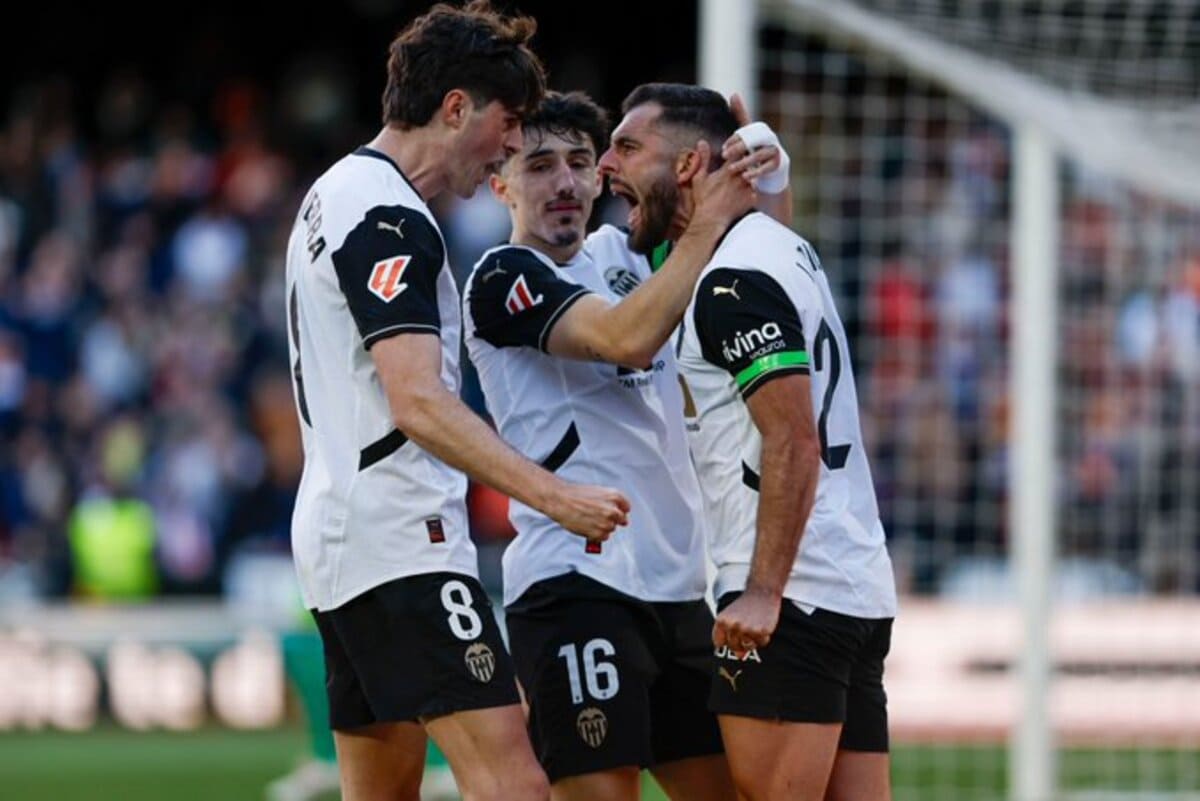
(380, 531)
(804, 584)
(611, 642)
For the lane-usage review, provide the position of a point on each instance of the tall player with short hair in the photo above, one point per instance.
(569, 336)
(380, 527)
(804, 584)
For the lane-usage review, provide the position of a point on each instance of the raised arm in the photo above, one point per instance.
(434, 418)
(632, 331)
(388, 269)
(772, 200)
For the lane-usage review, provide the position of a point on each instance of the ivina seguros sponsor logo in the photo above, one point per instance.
(753, 343)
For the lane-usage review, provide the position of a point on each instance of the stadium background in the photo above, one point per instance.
(151, 161)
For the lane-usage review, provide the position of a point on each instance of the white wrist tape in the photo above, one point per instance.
(759, 134)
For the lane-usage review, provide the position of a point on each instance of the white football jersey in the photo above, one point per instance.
(763, 309)
(590, 422)
(366, 261)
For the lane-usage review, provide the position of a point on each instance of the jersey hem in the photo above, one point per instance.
(733, 578)
(343, 597)
(513, 594)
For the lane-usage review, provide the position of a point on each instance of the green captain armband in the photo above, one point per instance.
(771, 363)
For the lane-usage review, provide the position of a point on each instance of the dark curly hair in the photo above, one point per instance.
(472, 48)
(693, 108)
(572, 115)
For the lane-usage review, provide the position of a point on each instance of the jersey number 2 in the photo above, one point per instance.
(834, 456)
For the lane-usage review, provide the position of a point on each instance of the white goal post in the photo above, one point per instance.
(1132, 124)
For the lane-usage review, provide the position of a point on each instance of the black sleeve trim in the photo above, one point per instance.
(415, 328)
(544, 338)
(766, 378)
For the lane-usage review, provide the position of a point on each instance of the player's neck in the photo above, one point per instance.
(682, 216)
(419, 156)
(559, 254)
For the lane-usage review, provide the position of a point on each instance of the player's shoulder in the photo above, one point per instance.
(608, 236)
(365, 193)
(760, 243)
(505, 259)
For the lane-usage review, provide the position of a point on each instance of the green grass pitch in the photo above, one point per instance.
(110, 764)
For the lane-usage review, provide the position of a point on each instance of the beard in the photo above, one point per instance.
(657, 210)
(565, 237)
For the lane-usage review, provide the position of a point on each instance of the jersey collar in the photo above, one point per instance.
(363, 150)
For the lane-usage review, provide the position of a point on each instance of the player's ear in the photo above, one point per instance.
(455, 106)
(692, 162)
(499, 187)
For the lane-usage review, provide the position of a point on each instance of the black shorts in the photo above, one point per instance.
(612, 681)
(414, 648)
(818, 668)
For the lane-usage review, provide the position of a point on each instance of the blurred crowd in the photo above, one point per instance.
(906, 191)
(146, 415)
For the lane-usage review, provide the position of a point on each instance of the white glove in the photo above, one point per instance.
(759, 134)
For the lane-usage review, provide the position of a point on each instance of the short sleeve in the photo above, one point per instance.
(388, 269)
(747, 325)
(515, 299)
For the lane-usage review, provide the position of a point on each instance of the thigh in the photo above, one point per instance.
(700, 778)
(614, 784)
(488, 751)
(381, 762)
(682, 726)
(774, 759)
(415, 648)
(860, 776)
(586, 670)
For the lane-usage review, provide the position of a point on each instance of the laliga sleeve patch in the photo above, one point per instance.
(385, 281)
(514, 299)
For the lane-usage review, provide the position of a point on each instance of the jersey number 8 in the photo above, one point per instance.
(464, 621)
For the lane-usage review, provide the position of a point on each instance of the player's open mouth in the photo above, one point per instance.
(622, 191)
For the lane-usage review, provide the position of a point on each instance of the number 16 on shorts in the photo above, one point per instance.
(599, 677)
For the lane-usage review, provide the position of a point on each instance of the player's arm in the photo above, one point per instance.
(434, 418)
(632, 331)
(387, 269)
(791, 452)
(733, 309)
(774, 187)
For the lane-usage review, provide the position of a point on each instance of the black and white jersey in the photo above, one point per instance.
(366, 261)
(763, 309)
(590, 422)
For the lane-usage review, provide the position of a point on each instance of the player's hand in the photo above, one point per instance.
(721, 196)
(748, 622)
(752, 164)
(591, 512)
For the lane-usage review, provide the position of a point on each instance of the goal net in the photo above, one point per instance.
(903, 119)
